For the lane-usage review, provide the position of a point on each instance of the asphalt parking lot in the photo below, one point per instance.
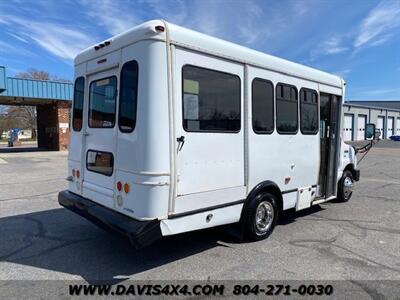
(358, 240)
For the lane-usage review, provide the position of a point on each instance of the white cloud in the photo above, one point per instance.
(115, 16)
(61, 41)
(18, 37)
(381, 20)
(8, 48)
(57, 39)
(178, 13)
(333, 46)
(242, 22)
(251, 30)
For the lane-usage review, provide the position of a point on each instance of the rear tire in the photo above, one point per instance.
(259, 217)
(345, 187)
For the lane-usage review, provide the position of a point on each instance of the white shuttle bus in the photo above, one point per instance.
(173, 131)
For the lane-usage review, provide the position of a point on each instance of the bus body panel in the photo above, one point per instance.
(174, 171)
(137, 159)
(289, 160)
(142, 155)
(211, 160)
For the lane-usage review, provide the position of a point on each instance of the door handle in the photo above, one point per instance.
(181, 141)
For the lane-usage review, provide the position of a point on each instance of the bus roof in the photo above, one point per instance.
(188, 38)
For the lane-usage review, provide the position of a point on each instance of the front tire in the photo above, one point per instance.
(260, 217)
(345, 187)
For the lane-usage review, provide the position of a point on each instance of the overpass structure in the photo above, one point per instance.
(52, 100)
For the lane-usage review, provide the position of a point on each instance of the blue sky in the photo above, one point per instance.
(358, 40)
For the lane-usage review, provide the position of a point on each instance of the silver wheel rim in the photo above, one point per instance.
(347, 187)
(264, 217)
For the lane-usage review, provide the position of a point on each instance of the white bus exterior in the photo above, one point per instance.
(173, 131)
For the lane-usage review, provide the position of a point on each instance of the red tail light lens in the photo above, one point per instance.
(119, 186)
(160, 28)
(78, 174)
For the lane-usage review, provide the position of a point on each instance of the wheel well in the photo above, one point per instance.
(350, 167)
(270, 187)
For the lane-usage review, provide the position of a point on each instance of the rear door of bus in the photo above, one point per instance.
(100, 136)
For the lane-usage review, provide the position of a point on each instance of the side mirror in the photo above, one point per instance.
(370, 132)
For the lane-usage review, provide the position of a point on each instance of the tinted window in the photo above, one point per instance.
(286, 109)
(128, 97)
(102, 102)
(308, 111)
(211, 100)
(263, 106)
(100, 162)
(77, 112)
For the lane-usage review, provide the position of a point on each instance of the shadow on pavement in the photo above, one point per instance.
(20, 149)
(61, 241)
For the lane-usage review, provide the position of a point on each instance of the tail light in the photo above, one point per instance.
(126, 188)
(78, 174)
(119, 186)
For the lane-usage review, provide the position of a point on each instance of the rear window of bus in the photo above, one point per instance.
(128, 96)
(102, 102)
(77, 112)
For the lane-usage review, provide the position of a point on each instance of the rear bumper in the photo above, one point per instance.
(356, 175)
(140, 233)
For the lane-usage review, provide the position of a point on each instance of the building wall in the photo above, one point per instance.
(372, 114)
(47, 126)
(53, 126)
(63, 125)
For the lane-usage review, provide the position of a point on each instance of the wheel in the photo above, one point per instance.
(345, 187)
(260, 217)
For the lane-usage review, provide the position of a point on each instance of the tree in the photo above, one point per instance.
(33, 73)
(23, 117)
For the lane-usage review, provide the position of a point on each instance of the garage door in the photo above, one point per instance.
(362, 120)
(381, 121)
(390, 127)
(348, 128)
(398, 126)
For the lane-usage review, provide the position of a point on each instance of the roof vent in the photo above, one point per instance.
(102, 45)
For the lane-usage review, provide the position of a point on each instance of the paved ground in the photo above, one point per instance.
(24, 144)
(356, 240)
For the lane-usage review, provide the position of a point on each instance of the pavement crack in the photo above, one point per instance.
(366, 287)
(325, 247)
(359, 226)
(51, 249)
(33, 181)
(42, 232)
(29, 239)
(30, 196)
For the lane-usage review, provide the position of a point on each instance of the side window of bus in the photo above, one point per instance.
(211, 100)
(102, 102)
(286, 109)
(128, 96)
(308, 111)
(262, 106)
(77, 110)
